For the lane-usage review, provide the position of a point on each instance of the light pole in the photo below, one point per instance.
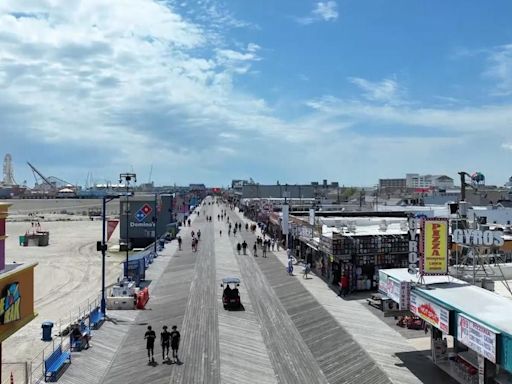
(127, 177)
(155, 219)
(103, 247)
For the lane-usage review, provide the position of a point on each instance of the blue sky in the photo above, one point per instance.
(289, 90)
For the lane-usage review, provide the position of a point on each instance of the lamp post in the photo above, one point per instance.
(155, 219)
(127, 177)
(103, 248)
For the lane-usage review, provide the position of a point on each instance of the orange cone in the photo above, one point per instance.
(12, 379)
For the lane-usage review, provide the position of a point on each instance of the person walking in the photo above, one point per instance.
(290, 266)
(265, 249)
(150, 337)
(273, 244)
(244, 247)
(165, 339)
(238, 247)
(343, 285)
(307, 269)
(255, 249)
(179, 242)
(220, 232)
(175, 343)
(246, 226)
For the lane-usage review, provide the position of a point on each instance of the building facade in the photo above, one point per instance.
(16, 289)
(415, 180)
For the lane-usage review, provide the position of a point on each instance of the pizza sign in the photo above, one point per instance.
(428, 311)
(432, 313)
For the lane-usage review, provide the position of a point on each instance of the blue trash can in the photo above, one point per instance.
(47, 331)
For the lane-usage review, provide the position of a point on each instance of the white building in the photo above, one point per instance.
(415, 180)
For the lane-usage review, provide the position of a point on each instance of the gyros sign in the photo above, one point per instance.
(478, 237)
(413, 246)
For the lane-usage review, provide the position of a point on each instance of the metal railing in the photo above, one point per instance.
(62, 328)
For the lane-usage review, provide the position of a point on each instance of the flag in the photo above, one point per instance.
(111, 226)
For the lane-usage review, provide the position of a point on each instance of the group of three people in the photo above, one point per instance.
(167, 339)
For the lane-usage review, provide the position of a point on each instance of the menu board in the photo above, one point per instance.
(477, 336)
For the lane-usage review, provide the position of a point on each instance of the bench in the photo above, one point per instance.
(76, 344)
(96, 318)
(54, 363)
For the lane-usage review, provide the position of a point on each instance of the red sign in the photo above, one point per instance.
(111, 226)
(428, 312)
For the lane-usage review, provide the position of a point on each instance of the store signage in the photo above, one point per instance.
(10, 304)
(390, 287)
(413, 246)
(405, 294)
(143, 212)
(432, 313)
(478, 237)
(306, 232)
(434, 260)
(477, 337)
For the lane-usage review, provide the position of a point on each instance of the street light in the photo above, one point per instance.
(103, 248)
(127, 177)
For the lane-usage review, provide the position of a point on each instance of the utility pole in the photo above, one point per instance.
(127, 177)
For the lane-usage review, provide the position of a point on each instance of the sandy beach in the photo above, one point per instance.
(68, 273)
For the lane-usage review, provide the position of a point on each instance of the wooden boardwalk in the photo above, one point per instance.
(286, 333)
(244, 357)
(337, 356)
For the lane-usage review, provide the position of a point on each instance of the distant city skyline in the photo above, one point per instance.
(210, 91)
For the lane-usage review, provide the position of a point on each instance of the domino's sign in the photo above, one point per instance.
(141, 215)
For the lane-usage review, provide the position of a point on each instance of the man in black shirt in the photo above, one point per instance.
(175, 343)
(165, 339)
(150, 337)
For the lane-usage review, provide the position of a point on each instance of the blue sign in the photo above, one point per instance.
(143, 212)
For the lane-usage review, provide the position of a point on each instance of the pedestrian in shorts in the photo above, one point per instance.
(165, 339)
(150, 337)
(175, 343)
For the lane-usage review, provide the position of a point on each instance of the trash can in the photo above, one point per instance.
(22, 240)
(47, 331)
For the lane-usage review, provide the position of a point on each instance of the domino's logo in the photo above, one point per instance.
(143, 212)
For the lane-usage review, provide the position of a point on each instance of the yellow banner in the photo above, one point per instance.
(435, 251)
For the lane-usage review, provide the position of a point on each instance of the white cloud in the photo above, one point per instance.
(507, 146)
(326, 10)
(323, 11)
(386, 90)
(491, 120)
(500, 69)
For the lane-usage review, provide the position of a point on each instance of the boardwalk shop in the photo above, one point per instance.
(358, 249)
(470, 327)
